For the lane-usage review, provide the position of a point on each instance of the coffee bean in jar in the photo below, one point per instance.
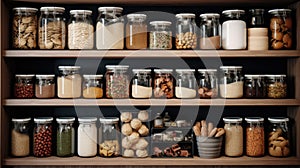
(24, 86)
(42, 137)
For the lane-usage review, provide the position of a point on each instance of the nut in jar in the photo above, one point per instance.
(186, 37)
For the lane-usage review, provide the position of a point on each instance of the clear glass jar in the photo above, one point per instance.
(231, 82)
(24, 28)
(52, 28)
(257, 30)
(141, 84)
(45, 86)
(117, 81)
(136, 31)
(81, 30)
(110, 28)
(24, 86)
(255, 86)
(208, 83)
(278, 140)
(234, 30)
(92, 86)
(186, 36)
(160, 35)
(65, 137)
(210, 31)
(20, 137)
(255, 137)
(185, 84)
(42, 137)
(87, 137)
(69, 82)
(276, 86)
(233, 136)
(281, 25)
(163, 83)
(109, 137)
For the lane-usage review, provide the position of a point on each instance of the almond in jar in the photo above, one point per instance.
(233, 136)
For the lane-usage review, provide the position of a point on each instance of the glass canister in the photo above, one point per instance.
(208, 83)
(163, 83)
(65, 137)
(186, 36)
(69, 82)
(136, 31)
(234, 30)
(87, 137)
(255, 137)
(117, 81)
(52, 28)
(20, 137)
(92, 86)
(210, 31)
(231, 82)
(81, 30)
(281, 25)
(141, 84)
(45, 86)
(255, 86)
(160, 35)
(24, 28)
(233, 136)
(276, 86)
(42, 137)
(109, 137)
(257, 30)
(185, 84)
(24, 86)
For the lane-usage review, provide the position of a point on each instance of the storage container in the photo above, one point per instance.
(186, 31)
(185, 83)
(208, 83)
(20, 137)
(257, 30)
(141, 84)
(42, 137)
(109, 137)
(136, 31)
(163, 83)
(24, 86)
(255, 86)
(45, 86)
(117, 81)
(210, 31)
(87, 137)
(160, 35)
(69, 82)
(231, 82)
(92, 86)
(233, 136)
(65, 137)
(276, 86)
(255, 137)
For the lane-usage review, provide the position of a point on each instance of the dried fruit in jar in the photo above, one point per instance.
(163, 87)
(281, 36)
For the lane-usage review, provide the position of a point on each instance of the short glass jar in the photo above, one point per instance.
(65, 137)
(24, 28)
(87, 137)
(92, 86)
(186, 31)
(42, 137)
(69, 82)
(208, 83)
(185, 84)
(163, 83)
(24, 86)
(234, 136)
(141, 84)
(231, 82)
(160, 35)
(45, 86)
(257, 30)
(255, 137)
(255, 86)
(20, 137)
(136, 31)
(210, 31)
(276, 86)
(109, 137)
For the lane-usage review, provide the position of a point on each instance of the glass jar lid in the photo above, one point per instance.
(87, 119)
(254, 119)
(121, 67)
(257, 11)
(231, 67)
(279, 11)
(110, 9)
(232, 119)
(163, 70)
(25, 9)
(135, 16)
(253, 76)
(93, 76)
(160, 23)
(209, 15)
(141, 71)
(45, 76)
(81, 12)
(185, 70)
(52, 9)
(109, 120)
(233, 12)
(21, 120)
(185, 15)
(43, 119)
(278, 119)
(69, 67)
(207, 70)
(65, 120)
(25, 76)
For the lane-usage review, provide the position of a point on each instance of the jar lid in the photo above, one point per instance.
(27, 76)
(93, 76)
(275, 11)
(117, 67)
(43, 119)
(45, 76)
(25, 9)
(278, 119)
(252, 76)
(52, 9)
(20, 119)
(210, 15)
(68, 67)
(81, 12)
(185, 15)
(65, 120)
(275, 76)
(185, 70)
(87, 119)
(141, 70)
(109, 120)
(207, 70)
(257, 11)
(166, 23)
(233, 119)
(235, 11)
(230, 67)
(103, 9)
(254, 119)
(163, 70)
(136, 16)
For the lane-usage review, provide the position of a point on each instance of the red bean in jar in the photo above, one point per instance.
(24, 86)
(42, 137)
(117, 82)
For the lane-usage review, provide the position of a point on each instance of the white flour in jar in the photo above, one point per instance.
(183, 92)
(141, 91)
(110, 36)
(87, 140)
(234, 35)
(232, 90)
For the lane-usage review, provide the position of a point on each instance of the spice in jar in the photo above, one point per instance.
(45, 86)
(20, 140)
(160, 35)
(92, 86)
(210, 31)
(42, 137)
(255, 137)
(277, 87)
(69, 82)
(24, 86)
(234, 136)
(65, 142)
(208, 83)
(186, 37)
(117, 82)
(163, 83)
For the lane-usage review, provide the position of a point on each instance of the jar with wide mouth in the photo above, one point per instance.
(20, 137)
(92, 86)
(233, 136)
(87, 137)
(210, 31)
(24, 28)
(186, 34)
(185, 84)
(117, 81)
(255, 86)
(255, 137)
(160, 35)
(24, 86)
(42, 137)
(257, 30)
(109, 137)
(163, 83)
(231, 82)
(136, 31)
(208, 83)
(276, 86)
(65, 137)
(69, 82)
(141, 84)
(45, 86)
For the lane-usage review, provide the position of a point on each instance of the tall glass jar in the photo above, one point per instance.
(163, 83)
(255, 137)
(92, 86)
(42, 137)
(69, 82)
(117, 81)
(208, 83)
(255, 86)
(136, 31)
(233, 136)
(52, 28)
(20, 137)
(109, 137)
(210, 31)
(110, 28)
(87, 137)
(231, 82)
(160, 35)
(186, 36)
(65, 137)
(276, 86)
(141, 84)
(257, 30)
(24, 86)
(24, 28)
(81, 30)
(185, 83)
(45, 86)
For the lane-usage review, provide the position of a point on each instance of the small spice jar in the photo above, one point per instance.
(210, 31)
(42, 137)
(186, 37)
(24, 86)
(231, 82)
(20, 137)
(255, 86)
(208, 83)
(52, 28)
(255, 137)
(160, 35)
(65, 137)
(136, 31)
(185, 83)
(257, 30)
(234, 136)
(69, 82)
(163, 83)
(141, 84)
(92, 86)
(24, 28)
(45, 86)
(87, 137)
(109, 137)
(276, 86)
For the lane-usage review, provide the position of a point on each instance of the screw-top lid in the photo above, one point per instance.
(123, 67)
(65, 120)
(163, 70)
(254, 119)
(210, 15)
(136, 16)
(185, 15)
(26, 76)
(103, 9)
(68, 67)
(235, 11)
(278, 119)
(43, 119)
(81, 12)
(276, 11)
(20, 120)
(87, 119)
(231, 67)
(93, 76)
(163, 23)
(141, 70)
(25, 9)
(232, 119)
(109, 120)
(185, 70)
(45, 76)
(52, 9)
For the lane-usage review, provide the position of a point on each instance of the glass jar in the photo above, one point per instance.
(231, 83)
(255, 137)
(276, 86)
(24, 28)
(65, 137)
(45, 86)
(42, 137)
(210, 31)
(160, 35)
(110, 28)
(52, 28)
(109, 137)
(234, 30)
(20, 137)
(87, 137)
(255, 86)
(136, 31)
(69, 82)
(163, 83)
(233, 136)
(141, 84)
(92, 86)
(281, 25)
(257, 32)
(117, 81)
(185, 83)
(186, 36)
(24, 86)
(81, 30)
(208, 83)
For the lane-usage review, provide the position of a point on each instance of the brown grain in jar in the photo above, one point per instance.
(45, 86)
(136, 31)
(255, 137)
